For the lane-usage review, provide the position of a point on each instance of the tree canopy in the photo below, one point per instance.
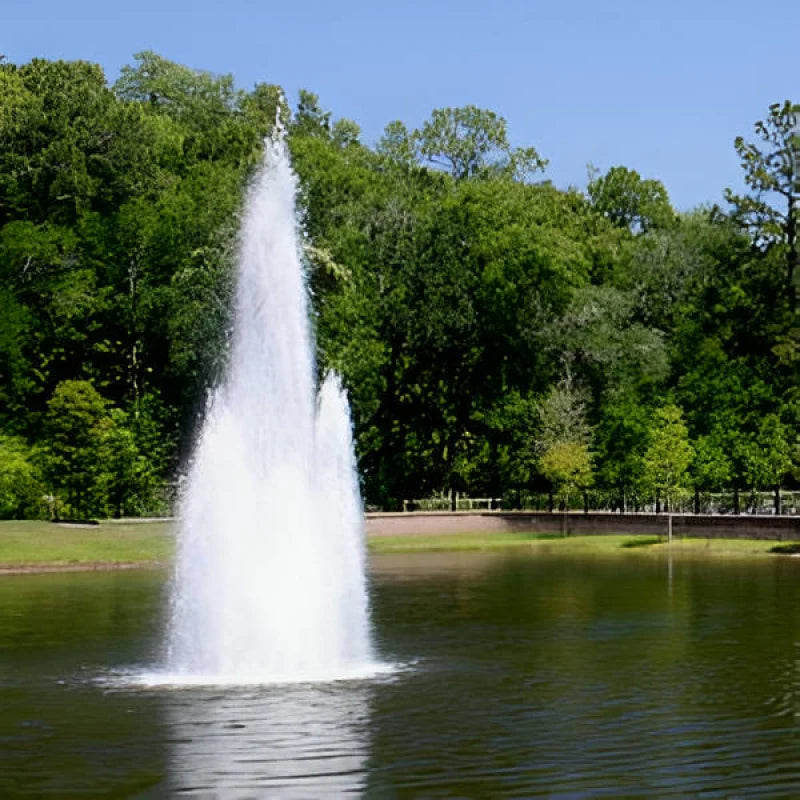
(496, 335)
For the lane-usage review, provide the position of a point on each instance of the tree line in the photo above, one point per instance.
(497, 335)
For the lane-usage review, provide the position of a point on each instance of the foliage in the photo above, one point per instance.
(20, 483)
(772, 457)
(563, 441)
(497, 336)
(466, 142)
(91, 462)
(668, 456)
(772, 171)
(568, 466)
(630, 201)
(621, 437)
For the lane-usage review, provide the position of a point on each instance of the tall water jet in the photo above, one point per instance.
(269, 582)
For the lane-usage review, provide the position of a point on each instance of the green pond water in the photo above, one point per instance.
(515, 676)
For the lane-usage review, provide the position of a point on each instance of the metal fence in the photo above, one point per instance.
(762, 503)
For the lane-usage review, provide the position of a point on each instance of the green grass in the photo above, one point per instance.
(605, 545)
(38, 544)
(452, 541)
(32, 544)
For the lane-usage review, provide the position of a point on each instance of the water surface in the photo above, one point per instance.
(517, 676)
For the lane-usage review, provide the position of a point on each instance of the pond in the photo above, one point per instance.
(514, 676)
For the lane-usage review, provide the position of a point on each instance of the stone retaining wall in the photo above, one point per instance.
(698, 526)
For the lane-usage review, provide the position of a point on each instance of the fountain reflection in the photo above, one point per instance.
(305, 740)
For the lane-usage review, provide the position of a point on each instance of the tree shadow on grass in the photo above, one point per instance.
(642, 542)
(791, 549)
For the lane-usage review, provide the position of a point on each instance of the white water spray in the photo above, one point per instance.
(269, 582)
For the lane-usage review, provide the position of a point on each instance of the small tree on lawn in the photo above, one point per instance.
(668, 455)
(568, 466)
(771, 457)
(563, 442)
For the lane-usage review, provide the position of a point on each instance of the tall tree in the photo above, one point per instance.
(630, 201)
(464, 142)
(772, 171)
(311, 119)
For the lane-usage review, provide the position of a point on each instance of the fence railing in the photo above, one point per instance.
(762, 503)
(457, 502)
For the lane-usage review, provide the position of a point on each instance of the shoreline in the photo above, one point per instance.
(618, 545)
(87, 566)
(31, 547)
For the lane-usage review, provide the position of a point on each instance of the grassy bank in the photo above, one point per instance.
(34, 545)
(38, 545)
(605, 545)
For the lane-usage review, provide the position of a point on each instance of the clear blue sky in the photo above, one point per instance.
(661, 86)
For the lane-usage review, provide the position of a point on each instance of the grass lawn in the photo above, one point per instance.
(34, 544)
(605, 545)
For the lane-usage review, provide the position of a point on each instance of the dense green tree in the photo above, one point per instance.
(772, 171)
(621, 436)
(310, 118)
(563, 441)
(468, 140)
(74, 429)
(90, 459)
(666, 461)
(772, 457)
(20, 482)
(448, 284)
(397, 145)
(599, 339)
(456, 298)
(125, 484)
(711, 468)
(630, 201)
(16, 381)
(464, 142)
(568, 467)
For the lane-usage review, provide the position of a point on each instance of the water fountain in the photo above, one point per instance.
(269, 583)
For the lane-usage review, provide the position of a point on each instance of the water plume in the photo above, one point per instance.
(269, 583)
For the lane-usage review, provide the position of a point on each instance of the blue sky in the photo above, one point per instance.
(660, 87)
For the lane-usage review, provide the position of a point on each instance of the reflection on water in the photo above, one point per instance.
(530, 676)
(582, 678)
(283, 741)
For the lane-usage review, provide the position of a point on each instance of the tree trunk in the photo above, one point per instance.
(696, 501)
(658, 503)
(496, 481)
(550, 502)
(586, 502)
(736, 501)
(791, 252)
(133, 335)
(778, 500)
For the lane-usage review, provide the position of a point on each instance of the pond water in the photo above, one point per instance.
(515, 676)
